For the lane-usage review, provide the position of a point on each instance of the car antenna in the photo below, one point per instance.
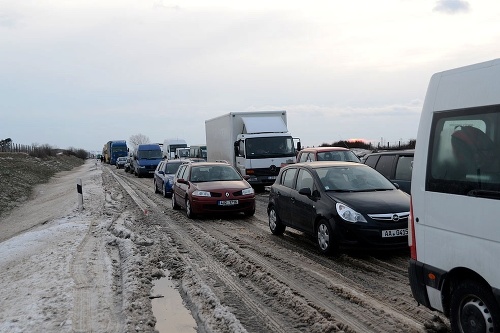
(345, 144)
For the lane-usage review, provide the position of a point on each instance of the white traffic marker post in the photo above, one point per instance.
(80, 194)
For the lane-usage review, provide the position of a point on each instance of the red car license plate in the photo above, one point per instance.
(227, 202)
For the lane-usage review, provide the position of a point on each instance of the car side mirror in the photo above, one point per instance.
(397, 185)
(161, 172)
(305, 191)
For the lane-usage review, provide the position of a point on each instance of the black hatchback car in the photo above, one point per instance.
(340, 204)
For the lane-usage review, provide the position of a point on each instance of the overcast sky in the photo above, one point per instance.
(78, 73)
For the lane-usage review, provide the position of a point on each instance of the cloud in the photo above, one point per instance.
(452, 6)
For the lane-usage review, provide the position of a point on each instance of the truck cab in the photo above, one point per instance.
(256, 143)
(261, 156)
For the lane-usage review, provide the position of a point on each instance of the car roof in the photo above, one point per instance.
(393, 152)
(208, 163)
(322, 164)
(321, 149)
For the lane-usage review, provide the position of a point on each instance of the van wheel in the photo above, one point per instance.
(473, 309)
(174, 204)
(326, 240)
(189, 209)
(275, 224)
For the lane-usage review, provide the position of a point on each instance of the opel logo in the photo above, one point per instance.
(395, 217)
(227, 194)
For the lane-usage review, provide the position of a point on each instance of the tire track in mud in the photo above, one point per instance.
(92, 313)
(346, 301)
(349, 304)
(347, 323)
(368, 273)
(200, 255)
(381, 270)
(360, 272)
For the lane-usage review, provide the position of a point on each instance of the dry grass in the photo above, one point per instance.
(20, 173)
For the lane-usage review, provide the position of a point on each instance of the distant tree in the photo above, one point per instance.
(137, 139)
(348, 144)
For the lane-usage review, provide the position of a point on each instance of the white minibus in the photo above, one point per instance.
(454, 231)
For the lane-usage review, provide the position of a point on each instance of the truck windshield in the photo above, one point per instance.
(266, 147)
(149, 154)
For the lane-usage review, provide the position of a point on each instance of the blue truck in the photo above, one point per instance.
(117, 148)
(146, 158)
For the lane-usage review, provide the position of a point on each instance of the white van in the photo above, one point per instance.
(454, 233)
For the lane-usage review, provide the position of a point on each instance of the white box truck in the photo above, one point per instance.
(256, 143)
(454, 229)
(170, 146)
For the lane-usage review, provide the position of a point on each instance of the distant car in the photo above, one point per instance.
(120, 162)
(212, 187)
(395, 165)
(163, 178)
(327, 154)
(341, 204)
(128, 165)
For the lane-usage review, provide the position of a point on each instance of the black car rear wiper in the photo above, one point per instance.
(484, 194)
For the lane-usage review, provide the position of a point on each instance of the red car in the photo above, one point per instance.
(211, 187)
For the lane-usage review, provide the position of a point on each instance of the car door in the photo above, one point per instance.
(303, 210)
(158, 178)
(163, 175)
(283, 187)
(180, 189)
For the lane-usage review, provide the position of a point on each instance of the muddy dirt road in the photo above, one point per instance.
(63, 269)
(236, 276)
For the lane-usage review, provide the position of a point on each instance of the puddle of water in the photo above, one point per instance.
(171, 314)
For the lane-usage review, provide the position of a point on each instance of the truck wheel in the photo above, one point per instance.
(189, 209)
(275, 224)
(174, 204)
(474, 309)
(326, 240)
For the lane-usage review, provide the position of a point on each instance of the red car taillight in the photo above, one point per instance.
(411, 232)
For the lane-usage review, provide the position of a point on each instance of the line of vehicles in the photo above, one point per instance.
(257, 144)
(450, 222)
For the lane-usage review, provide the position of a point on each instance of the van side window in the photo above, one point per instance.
(464, 152)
